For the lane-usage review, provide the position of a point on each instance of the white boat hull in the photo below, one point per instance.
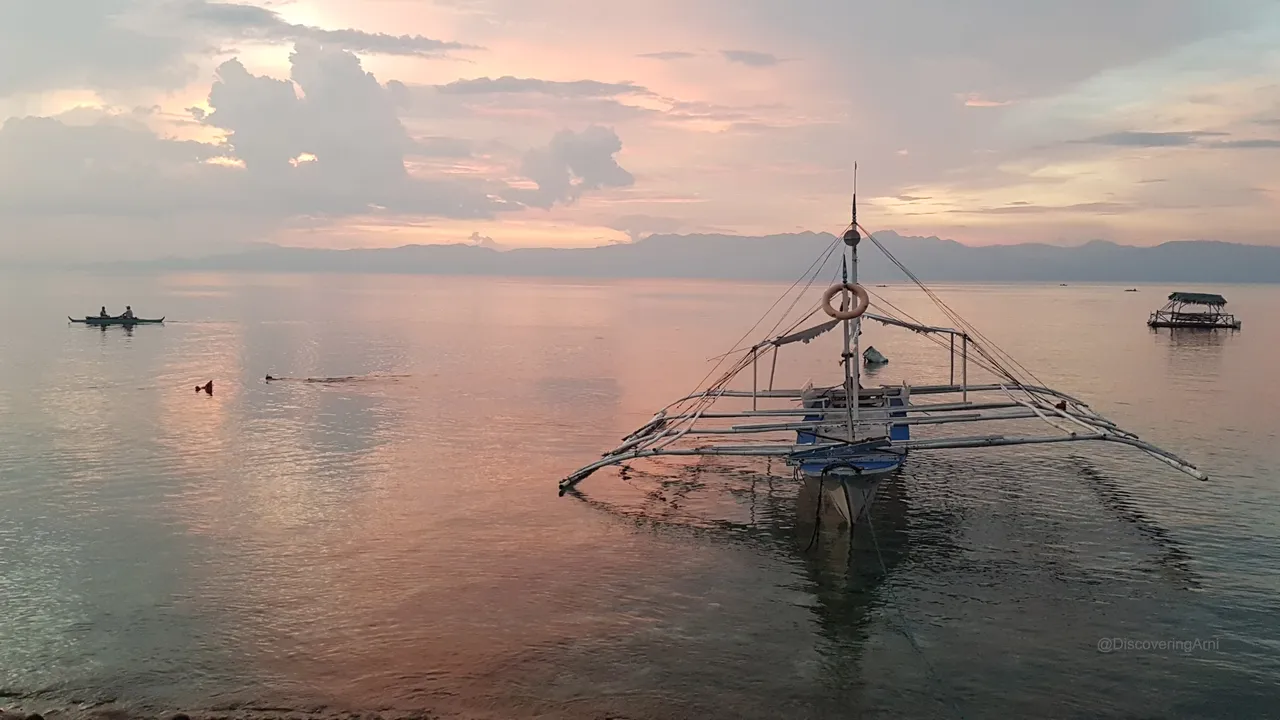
(839, 501)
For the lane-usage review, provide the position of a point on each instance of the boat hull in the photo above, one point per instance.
(844, 480)
(838, 502)
(102, 322)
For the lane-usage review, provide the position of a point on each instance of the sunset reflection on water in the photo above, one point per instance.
(396, 540)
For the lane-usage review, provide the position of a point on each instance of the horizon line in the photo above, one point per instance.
(248, 247)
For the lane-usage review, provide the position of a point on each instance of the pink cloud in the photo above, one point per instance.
(976, 100)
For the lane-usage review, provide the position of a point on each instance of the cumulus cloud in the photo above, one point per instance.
(326, 142)
(109, 167)
(138, 44)
(260, 115)
(484, 241)
(348, 122)
(344, 117)
(48, 44)
(441, 147)
(573, 163)
(638, 226)
(114, 188)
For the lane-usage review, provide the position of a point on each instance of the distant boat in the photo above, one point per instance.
(1132, 290)
(117, 320)
(1175, 313)
(872, 356)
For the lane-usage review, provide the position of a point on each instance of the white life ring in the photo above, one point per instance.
(859, 307)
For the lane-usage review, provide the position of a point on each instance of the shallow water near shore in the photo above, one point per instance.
(391, 541)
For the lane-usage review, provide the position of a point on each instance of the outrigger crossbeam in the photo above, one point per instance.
(1074, 420)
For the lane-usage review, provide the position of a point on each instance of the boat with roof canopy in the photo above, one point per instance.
(1183, 311)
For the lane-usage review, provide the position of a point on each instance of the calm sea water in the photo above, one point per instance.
(395, 543)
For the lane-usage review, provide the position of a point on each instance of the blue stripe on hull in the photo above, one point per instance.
(898, 432)
(808, 438)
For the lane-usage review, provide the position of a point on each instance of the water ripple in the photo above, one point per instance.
(395, 544)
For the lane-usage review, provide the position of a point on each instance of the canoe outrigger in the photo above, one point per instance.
(116, 320)
(848, 448)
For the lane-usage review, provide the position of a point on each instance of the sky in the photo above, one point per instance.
(144, 128)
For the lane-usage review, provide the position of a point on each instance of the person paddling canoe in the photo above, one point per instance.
(128, 312)
(103, 312)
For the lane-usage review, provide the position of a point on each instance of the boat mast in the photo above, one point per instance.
(851, 327)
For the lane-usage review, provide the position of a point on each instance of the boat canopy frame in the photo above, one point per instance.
(1176, 312)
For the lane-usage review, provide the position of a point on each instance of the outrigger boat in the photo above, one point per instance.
(116, 320)
(848, 448)
(1175, 313)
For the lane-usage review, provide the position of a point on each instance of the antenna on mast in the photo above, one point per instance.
(855, 192)
(851, 236)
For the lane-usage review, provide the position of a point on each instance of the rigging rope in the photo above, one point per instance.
(696, 403)
(987, 354)
(821, 263)
(960, 321)
(931, 337)
(814, 268)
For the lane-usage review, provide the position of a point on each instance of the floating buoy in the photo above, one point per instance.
(862, 301)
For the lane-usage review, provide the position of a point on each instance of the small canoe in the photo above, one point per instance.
(91, 320)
